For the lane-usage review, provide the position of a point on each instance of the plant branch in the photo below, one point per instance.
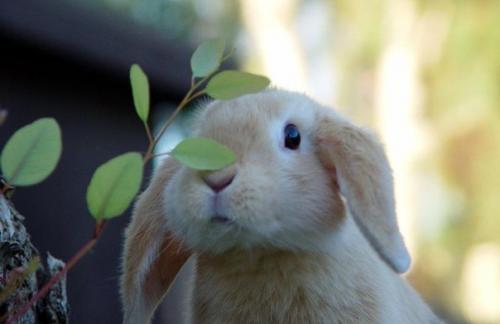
(192, 94)
(187, 99)
(160, 154)
(228, 55)
(148, 133)
(58, 276)
(197, 94)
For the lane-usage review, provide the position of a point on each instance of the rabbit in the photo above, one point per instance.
(301, 229)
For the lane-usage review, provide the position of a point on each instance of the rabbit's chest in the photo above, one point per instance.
(275, 299)
(245, 300)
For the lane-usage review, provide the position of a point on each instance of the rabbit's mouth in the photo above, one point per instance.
(220, 219)
(218, 206)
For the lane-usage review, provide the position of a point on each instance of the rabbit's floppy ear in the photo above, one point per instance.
(151, 258)
(365, 180)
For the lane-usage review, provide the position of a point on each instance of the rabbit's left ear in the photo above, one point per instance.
(365, 180)
(152, 257)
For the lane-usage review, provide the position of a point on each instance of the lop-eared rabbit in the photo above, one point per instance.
(301, 229)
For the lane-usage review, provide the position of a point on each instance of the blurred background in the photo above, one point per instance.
(425, 75)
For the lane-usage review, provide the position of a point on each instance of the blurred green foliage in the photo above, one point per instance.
(186, 20)
(460, 79)
(463, 105)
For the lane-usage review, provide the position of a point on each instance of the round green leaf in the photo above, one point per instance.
(232, 84)
(114, 185)
(32, 153)
(207, 57)
(203, 154)
(140, 91)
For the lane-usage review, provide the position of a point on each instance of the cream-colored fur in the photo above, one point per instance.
(312, 235)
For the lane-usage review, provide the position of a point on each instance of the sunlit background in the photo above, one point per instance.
(425, 75)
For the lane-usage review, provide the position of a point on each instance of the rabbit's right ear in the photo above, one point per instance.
(365, 180)
(151, 258)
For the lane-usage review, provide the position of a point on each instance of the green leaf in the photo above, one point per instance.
(32, 153)
(140, 91)
(207, 57)
(203, 154)
(232, 84)
(114, 185)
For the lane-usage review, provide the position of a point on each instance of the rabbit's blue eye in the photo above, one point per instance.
(292, 137)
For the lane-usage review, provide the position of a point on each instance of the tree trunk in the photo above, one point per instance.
(16, 254)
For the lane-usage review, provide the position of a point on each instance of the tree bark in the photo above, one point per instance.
(16, 254)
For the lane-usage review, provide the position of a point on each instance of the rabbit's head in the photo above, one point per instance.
(296, 162)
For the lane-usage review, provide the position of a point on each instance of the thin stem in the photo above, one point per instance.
(187, 98)
(160, 154)
(148, 155)
(197, 94)
(59, 275)
(228, 55)
(171, 119)
(148, 133)
(149, 152)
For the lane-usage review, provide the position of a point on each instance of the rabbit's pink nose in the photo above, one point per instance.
(217, 183)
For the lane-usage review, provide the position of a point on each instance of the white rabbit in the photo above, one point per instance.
(301, 229)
